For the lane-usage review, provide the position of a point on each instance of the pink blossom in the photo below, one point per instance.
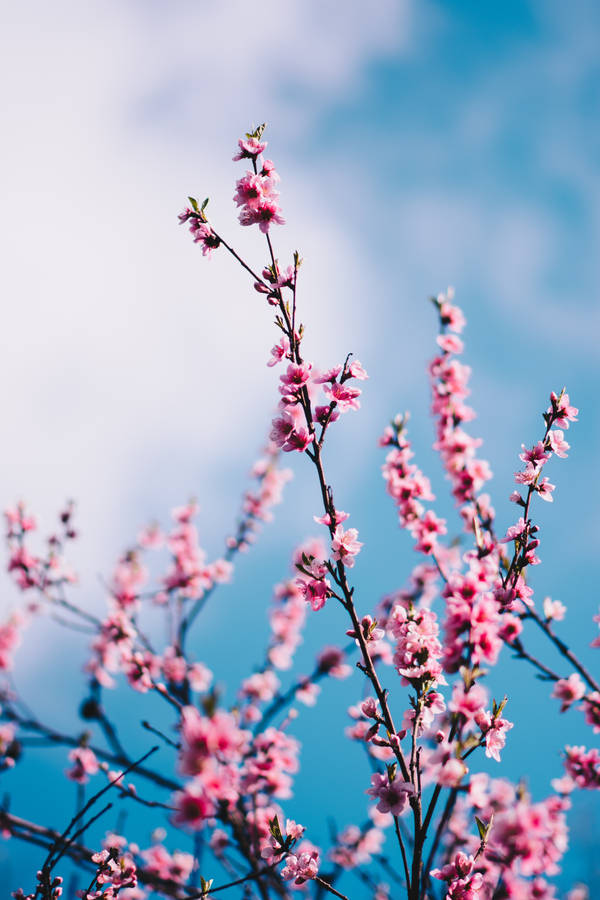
(561, 410)
(18, 520)
(332, 661)
(510, 629)
(268, 169)
(315, 591)
(249, 148)
(260, 686)
(355, 370)
(355, 847)
(279, 351)
(527, 476)
(203, 234)
(326, 414)
(544, 489)
(591, 706)
(219, 841)
(151, 537)
(302, 867)
(299, 440)
(450, 343)
(343, 395)
(558, 443)
(554, 609)
(287, 436)
(583, 766)
(345, 546)
(418, 649)
(84, 764)
(199, 677)
(463, 883)
(265, 213)
(392, 795)
(308, 692)
(252, 189)
(206, 737)
(369, 630)
(329, 375)
(452, 317)
(339, 515)
(468, 703)
(452, 772)
(537, 456)
(568, 690)
(370, 708)
(192, 805)
(177, 866)
(515, 531)
(174, 666)
(296, 376)
(494, 729)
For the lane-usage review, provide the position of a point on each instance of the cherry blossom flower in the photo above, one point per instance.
(84, 762)
(345, 546)
(568, 690)
(392, 795)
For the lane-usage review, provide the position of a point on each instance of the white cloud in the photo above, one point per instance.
(123, 347)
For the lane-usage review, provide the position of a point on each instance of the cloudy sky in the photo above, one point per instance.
(420, 145)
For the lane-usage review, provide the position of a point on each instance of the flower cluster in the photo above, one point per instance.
(463, 882)
(294, 428)
(115, 872)
(409, 488)
(523, 533)
(201, 231)
(524, 842)
(418, 651)
(583, 766)
(234, 751)
(49, 572)
(449, 386)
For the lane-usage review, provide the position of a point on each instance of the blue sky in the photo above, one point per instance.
(420, 145)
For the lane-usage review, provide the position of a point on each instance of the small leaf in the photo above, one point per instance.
(275, 829)
(498, 709)
(481, 828)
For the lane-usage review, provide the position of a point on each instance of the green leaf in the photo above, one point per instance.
(257, 133)
(498, 709)
(481, 828)
(275, 829)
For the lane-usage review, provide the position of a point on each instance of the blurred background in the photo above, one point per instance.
(420, 144)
